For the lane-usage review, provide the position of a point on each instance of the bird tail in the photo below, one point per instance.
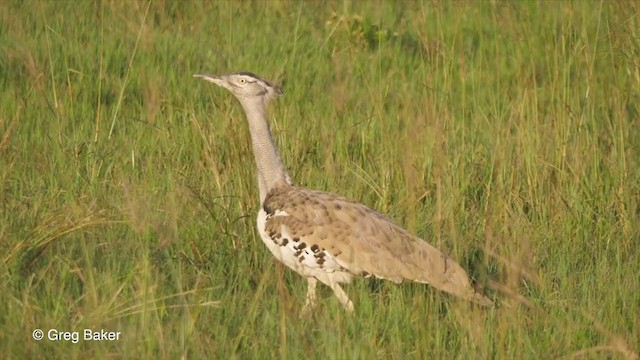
(480, 299)
(455, 281)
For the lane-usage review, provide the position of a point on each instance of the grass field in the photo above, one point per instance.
(506, 133)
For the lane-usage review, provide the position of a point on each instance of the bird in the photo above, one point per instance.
(325, 237)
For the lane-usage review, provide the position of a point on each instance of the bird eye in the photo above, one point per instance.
(242, 81)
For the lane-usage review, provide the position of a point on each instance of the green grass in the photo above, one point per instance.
(506, 133)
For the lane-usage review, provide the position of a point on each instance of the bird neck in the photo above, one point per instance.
(271, 171)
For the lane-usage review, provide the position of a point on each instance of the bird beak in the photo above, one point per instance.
(218, 80)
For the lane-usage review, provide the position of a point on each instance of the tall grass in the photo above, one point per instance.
(506, 133)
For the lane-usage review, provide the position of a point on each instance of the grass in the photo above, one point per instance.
(506, 133)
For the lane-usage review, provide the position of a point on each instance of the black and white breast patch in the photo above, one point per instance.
(311, 255)
(304, 252)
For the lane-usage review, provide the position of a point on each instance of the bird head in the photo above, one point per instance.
(245, 85)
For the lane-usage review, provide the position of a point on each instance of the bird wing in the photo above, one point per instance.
(363, 241)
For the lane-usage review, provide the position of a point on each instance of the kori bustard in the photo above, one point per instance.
(326, 237)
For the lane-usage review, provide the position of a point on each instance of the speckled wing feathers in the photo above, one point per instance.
(362, 241)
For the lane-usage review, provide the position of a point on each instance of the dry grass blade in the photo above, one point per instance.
(53, 228)
(7, 133)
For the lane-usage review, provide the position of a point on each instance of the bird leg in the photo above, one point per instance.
(310, 302)
(342, 296)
